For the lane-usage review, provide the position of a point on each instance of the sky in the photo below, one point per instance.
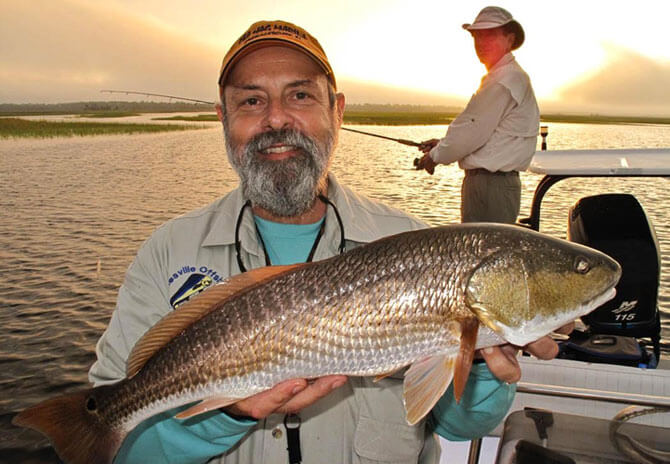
(583, 56)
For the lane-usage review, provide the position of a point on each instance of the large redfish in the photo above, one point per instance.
(414, 299)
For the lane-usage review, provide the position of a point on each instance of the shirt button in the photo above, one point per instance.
(277, 433)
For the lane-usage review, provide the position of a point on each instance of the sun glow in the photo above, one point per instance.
(170, 46)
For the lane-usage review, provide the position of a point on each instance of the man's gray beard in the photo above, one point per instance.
(288, 187)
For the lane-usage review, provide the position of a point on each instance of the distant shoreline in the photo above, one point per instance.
(426, 118)
(356, 113)
(11, 124)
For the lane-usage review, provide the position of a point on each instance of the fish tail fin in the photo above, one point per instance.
(75, 431)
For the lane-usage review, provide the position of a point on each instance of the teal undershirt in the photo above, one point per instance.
(287, 243)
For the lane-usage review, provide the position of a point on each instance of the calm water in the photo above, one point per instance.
(74, 212)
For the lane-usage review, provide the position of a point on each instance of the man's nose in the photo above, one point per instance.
(278, 116)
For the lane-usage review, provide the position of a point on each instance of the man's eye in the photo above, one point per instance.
(251, 101)
(301, 95)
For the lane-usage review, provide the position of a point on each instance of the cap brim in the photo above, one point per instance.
(269, 42)
(519, 35)
(483, 25)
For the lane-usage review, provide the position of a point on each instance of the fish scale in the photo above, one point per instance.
(413, 299)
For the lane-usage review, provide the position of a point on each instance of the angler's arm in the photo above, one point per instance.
(489, 392)
(141, 303)
(483, 406)
(163, 439)
(474, 126)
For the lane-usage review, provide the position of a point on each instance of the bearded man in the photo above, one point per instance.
(281, 114)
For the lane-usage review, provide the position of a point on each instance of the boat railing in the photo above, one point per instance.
(581, 394)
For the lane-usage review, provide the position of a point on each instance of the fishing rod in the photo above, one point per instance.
(403, 141)
(128, 92)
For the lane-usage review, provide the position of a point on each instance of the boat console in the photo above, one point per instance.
(617, 225)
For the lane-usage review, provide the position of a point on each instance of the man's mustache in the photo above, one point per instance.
(292, 137)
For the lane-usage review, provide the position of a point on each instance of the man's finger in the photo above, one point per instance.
(566, 329)
(544, 348)
(502, 362)
(314, 391)
(265, 403)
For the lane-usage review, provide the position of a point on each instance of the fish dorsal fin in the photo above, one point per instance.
(176, 321)
(466, 353)
(425, 383)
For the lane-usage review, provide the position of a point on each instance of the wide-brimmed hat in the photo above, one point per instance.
(267, 33)
(494, 16)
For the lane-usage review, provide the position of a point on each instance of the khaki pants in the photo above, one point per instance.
(490, 196)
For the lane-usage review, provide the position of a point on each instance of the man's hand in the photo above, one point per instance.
(428, 145)
(289, 396)
(502, 360)
(427, 163)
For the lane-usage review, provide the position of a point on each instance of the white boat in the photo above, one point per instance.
(581, 398)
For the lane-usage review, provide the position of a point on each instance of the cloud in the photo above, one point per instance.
(58, 51)
(365, 92)
(70, 50)
(628, 82)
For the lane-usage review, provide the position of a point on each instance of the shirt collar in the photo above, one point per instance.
(505, 60)
(222, 227)
(357, 227)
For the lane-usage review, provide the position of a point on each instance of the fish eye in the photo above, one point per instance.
(582, 266)
(91, 405)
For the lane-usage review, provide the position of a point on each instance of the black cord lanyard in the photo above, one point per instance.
(292, 426)
(238, 244)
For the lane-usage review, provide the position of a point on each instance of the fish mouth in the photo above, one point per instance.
(540, 326)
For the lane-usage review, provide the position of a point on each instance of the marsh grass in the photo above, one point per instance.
(407, 118)
(108, 114)
(16, 127)
(600, 119)
(384, 118)
(200, 117)
(398, 118)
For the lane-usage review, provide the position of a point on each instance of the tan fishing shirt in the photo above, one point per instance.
(361, 422)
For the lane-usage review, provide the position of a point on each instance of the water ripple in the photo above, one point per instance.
(76, 210)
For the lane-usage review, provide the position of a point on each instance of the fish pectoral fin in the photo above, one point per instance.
(209, 404)
(466, 353)
(425, 383)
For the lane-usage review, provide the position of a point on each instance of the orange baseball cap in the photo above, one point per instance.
(267, 33)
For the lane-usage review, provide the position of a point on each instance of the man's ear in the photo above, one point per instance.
(340, 102)
(511, 37)
(219, 111)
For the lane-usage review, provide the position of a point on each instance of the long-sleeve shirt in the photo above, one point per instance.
(356, 423)
(498, 128)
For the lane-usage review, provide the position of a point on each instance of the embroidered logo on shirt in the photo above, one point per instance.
(195, 284)
(204, 270)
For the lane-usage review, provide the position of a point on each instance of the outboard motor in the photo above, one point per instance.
(617, 224)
